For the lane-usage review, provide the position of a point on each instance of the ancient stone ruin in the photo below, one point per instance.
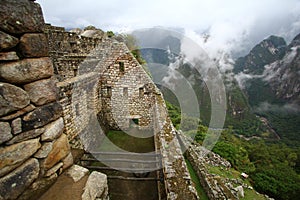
(61, 92)
(54, 87)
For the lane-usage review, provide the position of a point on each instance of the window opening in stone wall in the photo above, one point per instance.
(141, 92)
(135, 121)
(75, 72)
(77, 109)
(125, 91)
(109, 91)
(121, 66)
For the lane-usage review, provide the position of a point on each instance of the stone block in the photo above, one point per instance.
(95, 187)
(59, 151)
(34, 45)
(42, 92)
(18, 113)
(54, 169)
(53, 130)
(12, 98)
(44, 151)
(8, 56)
(12, 156)
(7, 41)
(37, 188)
(68, 161)
(16, 126)
(5, 132)
(26, 136)
(21, 16)
(41, 116)
(15, 183)
(27, 70)
(77, 172)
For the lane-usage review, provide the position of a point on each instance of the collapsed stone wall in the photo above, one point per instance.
(33, 148)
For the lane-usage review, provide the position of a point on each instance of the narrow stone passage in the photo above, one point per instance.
(135, 153)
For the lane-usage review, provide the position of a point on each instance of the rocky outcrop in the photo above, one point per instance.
(266, 52)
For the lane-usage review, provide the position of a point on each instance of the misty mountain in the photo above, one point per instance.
(262, 89)
(159, 38)
(269, 76)
(272, 68)
(165, 52)
(266, 52)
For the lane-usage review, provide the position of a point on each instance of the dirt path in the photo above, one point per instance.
(65, 189)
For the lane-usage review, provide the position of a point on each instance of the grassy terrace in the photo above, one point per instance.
(233, 174)
(195, 179)
(119, 141)
(127, 142)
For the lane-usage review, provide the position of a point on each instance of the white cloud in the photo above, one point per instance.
(242, 78)
(266, 106)
(233, 25)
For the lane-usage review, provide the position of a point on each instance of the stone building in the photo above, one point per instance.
(56, 86)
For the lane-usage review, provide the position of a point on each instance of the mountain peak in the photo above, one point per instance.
(266, 52)
(296, 41)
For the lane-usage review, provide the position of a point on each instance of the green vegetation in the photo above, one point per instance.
(174, 113)
(110, 34)
(132, 45)
(286, 125)
(127, 142)
(234, 174)
(273, 167)
(200, 191)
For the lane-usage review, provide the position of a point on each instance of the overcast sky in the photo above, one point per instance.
(225, 20)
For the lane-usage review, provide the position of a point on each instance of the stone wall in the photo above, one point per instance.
(97, 78)
(68, 50)
(214, 186)
(132, 94)
(33, 148)
(115, 95)
(107, 81)
(177, 180)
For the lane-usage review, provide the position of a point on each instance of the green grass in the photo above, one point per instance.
(119, 139)
(233, 174)
(196, 181)
(252, 195)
